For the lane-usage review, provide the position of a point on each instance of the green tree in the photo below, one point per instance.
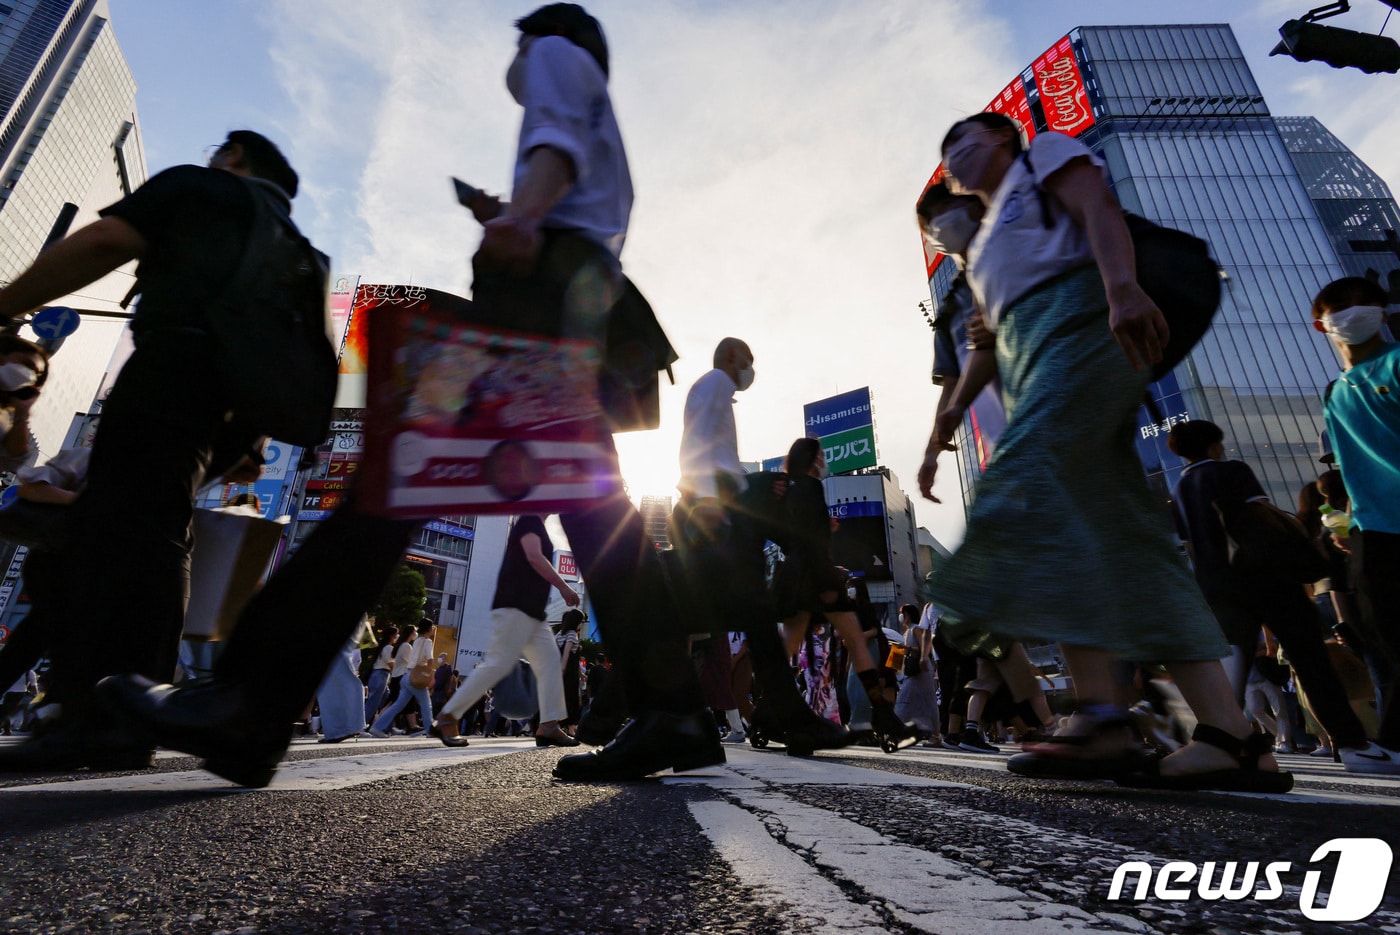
(401, 604)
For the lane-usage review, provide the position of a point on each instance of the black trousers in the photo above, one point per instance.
(128, 558)
(319, 595)
(1375, 566)
(1285, 609)
(726, 589)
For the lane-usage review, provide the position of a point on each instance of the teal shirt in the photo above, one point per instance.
(1363, 421)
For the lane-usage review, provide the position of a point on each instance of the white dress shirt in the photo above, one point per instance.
(709, 439)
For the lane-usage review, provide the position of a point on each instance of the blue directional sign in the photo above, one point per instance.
(55, 322)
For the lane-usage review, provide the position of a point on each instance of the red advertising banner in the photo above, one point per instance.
(1013, 103)
(1062, 93)
(465, 419)
(568, 568)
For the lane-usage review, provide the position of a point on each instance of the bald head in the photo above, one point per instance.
(734, 358)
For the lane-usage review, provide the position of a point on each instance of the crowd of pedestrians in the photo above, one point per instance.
(1065, 541)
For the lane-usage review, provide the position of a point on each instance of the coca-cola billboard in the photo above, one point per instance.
(1012, 102)
(1062, 93)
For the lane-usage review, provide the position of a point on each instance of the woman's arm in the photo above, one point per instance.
(534, 554)
(979, 370)
(45, 493)
(1136, 322)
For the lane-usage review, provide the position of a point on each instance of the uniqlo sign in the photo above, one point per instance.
(568, 568)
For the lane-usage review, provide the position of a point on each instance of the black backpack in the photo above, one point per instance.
(1176, 271)
(270, 328)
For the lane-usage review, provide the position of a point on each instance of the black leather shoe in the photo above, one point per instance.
(595, 730)
(60, 747)
(210, 718)
(807, 733)
(649, 744)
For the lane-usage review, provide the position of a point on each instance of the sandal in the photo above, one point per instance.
(1065, 756)
(1246, 777)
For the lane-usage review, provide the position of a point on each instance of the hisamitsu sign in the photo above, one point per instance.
(838, 413)
(845, 424)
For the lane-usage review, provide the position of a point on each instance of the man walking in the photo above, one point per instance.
(718, 531)
(166, 426)
(548, 264)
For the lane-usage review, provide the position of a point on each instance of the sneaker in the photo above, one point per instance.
(377, 733)
(1284, 747)
(1322, 751)
(735, 736)
(1372, 758)
(973, 742)
(934, 741)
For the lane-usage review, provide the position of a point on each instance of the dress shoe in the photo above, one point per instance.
(69, 744)
(597, 729)
(211, 718)
(555, 738)
(647, 745)
(450, 733)
(805, 733)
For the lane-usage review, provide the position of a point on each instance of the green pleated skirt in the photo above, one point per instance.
(1065, 542)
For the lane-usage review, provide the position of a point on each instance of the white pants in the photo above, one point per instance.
(514, 634)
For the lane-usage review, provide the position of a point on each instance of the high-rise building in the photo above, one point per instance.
(656, 513)
(1189, 142)
(1355, 205)
(68, 137)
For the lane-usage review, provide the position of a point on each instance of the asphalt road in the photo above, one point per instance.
(408, 836)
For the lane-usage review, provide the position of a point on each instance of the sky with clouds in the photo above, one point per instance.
(777, 149)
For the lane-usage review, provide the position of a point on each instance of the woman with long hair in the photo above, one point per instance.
(809, 584)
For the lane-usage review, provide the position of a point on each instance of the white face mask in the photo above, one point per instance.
(951, 231)
(745, 379)
(1355, 325)
(515, 77)
(823, 472)
(15, 376)
(966, 161)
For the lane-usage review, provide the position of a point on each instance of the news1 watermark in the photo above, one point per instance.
(1353, 889)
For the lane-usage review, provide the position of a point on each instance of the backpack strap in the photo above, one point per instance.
(1040, 193)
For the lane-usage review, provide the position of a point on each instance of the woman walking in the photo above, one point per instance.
(1064, 539)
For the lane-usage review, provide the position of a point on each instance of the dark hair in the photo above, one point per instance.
(802, 455)
(14, 344)
(1309, 499)
(572, 22)
(911, 611)
(992, 121)
(425, 623)
(1334, 490)
(1193, 440)
(265, 160)
(1346, 292)
(573, 619)
(406, 631)
(934, 197)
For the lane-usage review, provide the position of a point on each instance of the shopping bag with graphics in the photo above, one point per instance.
(469, 419)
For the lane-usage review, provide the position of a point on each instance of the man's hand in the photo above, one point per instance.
(511, 244)
(1341, 543)
(570, 596)
(1138, 325)
(485, 207)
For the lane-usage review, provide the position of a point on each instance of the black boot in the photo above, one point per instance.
(212, 718)
(649, 744)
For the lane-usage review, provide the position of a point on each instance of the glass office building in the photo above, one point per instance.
(1356, 207)
(1189, 142)
(68, 135)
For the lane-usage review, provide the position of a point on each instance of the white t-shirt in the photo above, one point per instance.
(403, 659)
(386, 658)
(567, 107)
(1014, 251)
